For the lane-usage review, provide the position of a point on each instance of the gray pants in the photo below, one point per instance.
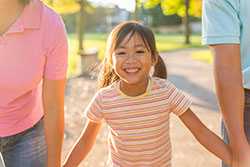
(26, 149)
(246, 122)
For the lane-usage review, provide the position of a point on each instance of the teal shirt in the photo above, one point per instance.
(228, 22)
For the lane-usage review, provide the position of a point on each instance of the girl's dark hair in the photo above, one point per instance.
(107, 75)
(25, 2)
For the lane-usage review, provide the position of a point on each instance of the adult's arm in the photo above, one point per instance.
(230, 93)
(53, 102)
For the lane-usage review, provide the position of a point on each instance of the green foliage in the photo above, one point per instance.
(162, 20)
(138, 3)
(151, 3)
(63, 6)
(170, 7)
(69, 6)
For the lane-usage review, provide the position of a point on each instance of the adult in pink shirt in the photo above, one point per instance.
(33, 63)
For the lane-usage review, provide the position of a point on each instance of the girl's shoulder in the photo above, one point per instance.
(111, 89)
(162, 83)
(166, 87)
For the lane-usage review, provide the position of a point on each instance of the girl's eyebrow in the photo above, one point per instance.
(137, 45)
(121, 47)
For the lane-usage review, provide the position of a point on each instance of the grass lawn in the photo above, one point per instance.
(165, 43)
(204, 55)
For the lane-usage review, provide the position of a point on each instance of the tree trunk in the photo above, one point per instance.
(187, 22)
(136, 14)
(80, 26)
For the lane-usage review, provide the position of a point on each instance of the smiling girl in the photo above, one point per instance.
(137, 106)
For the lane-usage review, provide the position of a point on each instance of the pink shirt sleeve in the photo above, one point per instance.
(57, 54)
(179, 101)
(94, 109)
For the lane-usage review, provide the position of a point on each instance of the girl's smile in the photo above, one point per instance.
(131, 70)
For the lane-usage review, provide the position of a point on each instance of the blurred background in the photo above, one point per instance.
(176, 23)
(177, 27)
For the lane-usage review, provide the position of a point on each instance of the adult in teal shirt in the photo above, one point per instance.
(226, 29)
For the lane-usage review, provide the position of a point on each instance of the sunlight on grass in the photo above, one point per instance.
(176, 42)
(204, 56)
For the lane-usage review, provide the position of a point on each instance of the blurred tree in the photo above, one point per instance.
(73, 6)
(63, 6)
(100, 20)
(149, 15)
(137, 8)
(183, 8)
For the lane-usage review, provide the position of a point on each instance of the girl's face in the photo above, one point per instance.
(132, 61)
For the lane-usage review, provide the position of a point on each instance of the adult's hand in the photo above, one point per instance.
(241, 158)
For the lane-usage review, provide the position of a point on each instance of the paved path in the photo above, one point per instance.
(194, 77)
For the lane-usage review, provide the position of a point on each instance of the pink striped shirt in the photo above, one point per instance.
(139, 126)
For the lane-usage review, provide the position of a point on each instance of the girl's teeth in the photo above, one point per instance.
(131, 70)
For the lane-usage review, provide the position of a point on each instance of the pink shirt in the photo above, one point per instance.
(34, 47)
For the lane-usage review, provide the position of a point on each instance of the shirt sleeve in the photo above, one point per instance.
(179, 101)
(57, 54)
(220, 22)
(94, 109)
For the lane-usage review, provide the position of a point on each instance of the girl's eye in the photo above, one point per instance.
(120, 53)
(140, 51)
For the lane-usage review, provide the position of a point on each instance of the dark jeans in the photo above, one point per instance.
(26, 149)
(246, 121)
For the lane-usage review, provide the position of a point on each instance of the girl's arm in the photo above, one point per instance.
(83, 145)
(206, 137)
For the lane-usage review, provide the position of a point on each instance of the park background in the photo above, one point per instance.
(177, 27)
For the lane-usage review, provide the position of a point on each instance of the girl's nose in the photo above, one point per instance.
(131, 58)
